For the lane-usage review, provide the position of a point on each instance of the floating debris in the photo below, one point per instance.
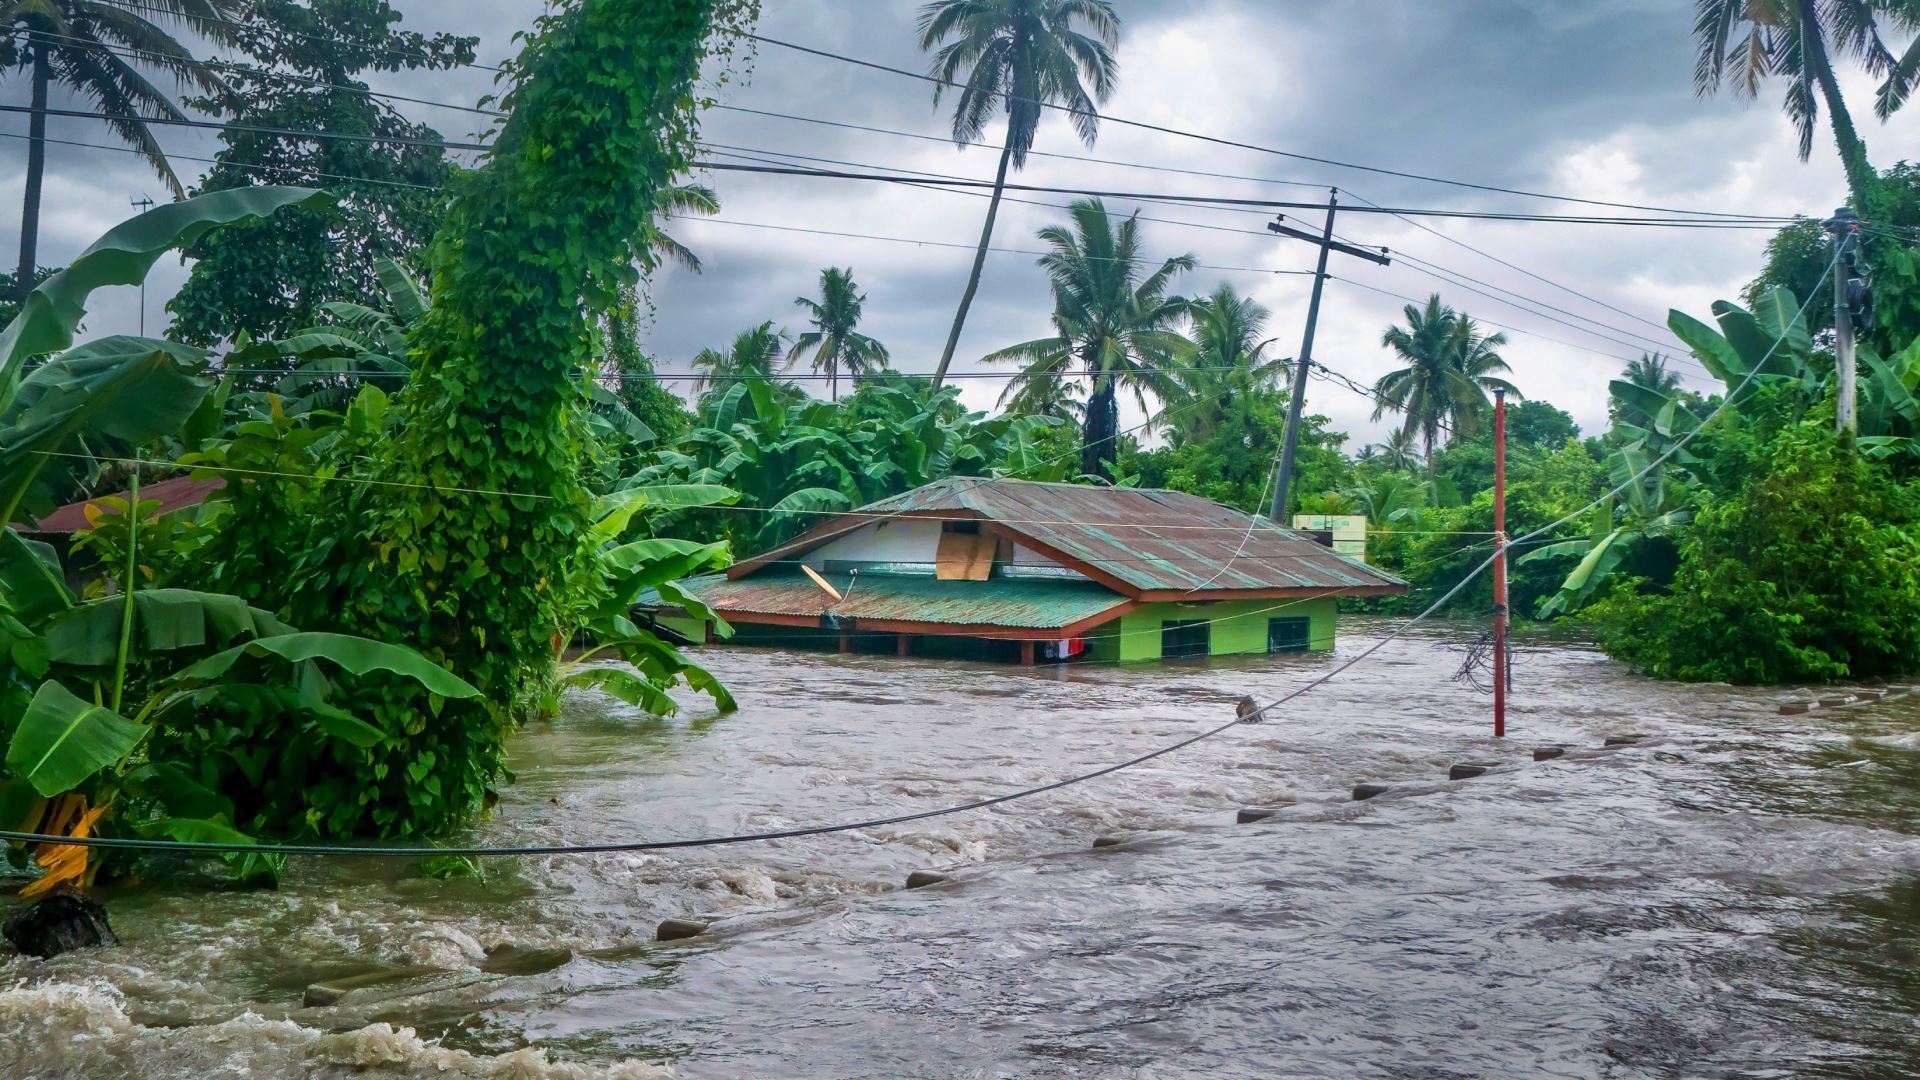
(1363, 792)
(676, 929)
(920, 879)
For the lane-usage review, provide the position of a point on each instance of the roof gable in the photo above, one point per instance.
(1143, 542)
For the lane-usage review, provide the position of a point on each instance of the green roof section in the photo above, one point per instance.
(1036, 604)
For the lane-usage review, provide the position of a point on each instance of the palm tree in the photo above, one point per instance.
(1229, 360)
(1740, 42)
(1450, 368)
(755, 353)
(1025, 54)
(1397, 453)
(99, 50)
(679, 201)
(1112, 321)
(833, 341)
(1652, 373)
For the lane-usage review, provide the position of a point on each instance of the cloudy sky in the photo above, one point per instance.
(1562, 96)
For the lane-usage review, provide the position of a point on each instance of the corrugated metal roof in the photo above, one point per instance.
(1149, 539)
(1032, 604)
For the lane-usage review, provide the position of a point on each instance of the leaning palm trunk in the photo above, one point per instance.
(36, 169)
(979, 264)
(1861, 177)
(1102, 435)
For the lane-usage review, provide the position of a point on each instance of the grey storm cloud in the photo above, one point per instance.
(1572, 97)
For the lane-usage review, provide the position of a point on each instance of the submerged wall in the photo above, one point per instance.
(1235, 627)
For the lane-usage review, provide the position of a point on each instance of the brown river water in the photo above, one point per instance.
(1736, 895)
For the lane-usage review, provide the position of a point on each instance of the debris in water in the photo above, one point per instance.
(1248, 711)
(1468, 770)
(1363, 792)
(61, 922)
(1109, 840)
(1623, 740)
(675, 929)
(1255, 813)
(922, 878)
(509, 959)
(1548, 753)
(329, 991)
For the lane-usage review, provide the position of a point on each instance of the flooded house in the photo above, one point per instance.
(1013, 570)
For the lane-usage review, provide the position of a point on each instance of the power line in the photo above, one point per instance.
(1516, 268)
(1264, 149)
(276, 29)
(959, 182)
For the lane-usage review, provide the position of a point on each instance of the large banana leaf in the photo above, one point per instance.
(357, 655)
(127, 388)
(409, 303)
(164, 619)
(612, 511)
(31, 585)
(123, 256)
(1713, 351)
(63, 739)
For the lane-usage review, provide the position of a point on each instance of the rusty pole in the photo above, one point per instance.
(1499, 563)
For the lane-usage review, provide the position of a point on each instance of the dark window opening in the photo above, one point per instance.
(1289, 635)
(970, 528)
(1185, 638)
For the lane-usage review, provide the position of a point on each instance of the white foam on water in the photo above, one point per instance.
(58, 1030)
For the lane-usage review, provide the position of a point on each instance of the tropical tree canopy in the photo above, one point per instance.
(1450, 367)
(99, 51)
(1113, 320)
(834, 343)
(1023, 55)
(1231, 357)
(755, 353)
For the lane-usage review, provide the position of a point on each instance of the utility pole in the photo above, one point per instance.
(1844, 226)
(142, 204)
(1500, 673)
(1290, 442)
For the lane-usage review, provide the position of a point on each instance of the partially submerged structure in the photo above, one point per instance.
(1015, 570)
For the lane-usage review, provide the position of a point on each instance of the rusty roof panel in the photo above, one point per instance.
(1027, 603)
(1147, 538)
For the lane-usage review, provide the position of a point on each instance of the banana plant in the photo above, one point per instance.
(1656, 505)
(625, 570)
(73, 753)
(117, 391)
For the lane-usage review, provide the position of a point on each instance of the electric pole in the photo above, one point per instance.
(1844, 225)
(1500, 671)
(142, 204)
(1290, 442)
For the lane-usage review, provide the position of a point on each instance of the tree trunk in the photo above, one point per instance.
(1861, 177)
(1102, 432)
(36, 169)
(979, 263)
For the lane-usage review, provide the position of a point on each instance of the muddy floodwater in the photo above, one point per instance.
(1738, 894)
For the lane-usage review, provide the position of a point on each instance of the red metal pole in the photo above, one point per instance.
(1499, 563)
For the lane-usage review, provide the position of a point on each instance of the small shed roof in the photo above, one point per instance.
(1144, 543)
(175, 493)
(879, 598)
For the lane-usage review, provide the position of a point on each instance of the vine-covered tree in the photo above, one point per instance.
(269, 279)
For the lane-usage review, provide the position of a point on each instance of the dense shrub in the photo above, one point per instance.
(1811, 573)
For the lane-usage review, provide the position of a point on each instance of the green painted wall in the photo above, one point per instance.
(1239, 627)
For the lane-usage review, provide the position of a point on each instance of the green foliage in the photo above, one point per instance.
(1812, 573)
(1233, 463)
(306, 60)
(47, 321)
(466, 531)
